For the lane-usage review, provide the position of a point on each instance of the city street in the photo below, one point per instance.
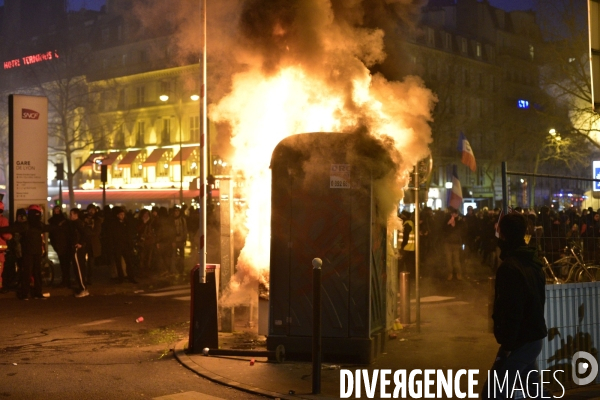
(93, 348)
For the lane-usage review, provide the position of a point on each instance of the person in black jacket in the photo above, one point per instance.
(122, 246)
(32, 245)
(519, 324)
(59, 239)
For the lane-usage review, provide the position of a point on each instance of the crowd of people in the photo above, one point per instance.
(131, 244)
(473, 237)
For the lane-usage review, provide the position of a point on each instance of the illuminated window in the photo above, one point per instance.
(478, 50)
(166, 131)
(531, 51)
(140, 93)
(141, 133)
(195, 128)
(137, 170)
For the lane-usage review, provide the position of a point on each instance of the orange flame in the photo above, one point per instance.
(262, 110)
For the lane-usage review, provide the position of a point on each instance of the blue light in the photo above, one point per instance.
(523, 103)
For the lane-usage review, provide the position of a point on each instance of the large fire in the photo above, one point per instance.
(330, 90)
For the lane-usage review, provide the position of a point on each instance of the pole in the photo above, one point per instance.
(180, 153)
(316, 339)
(60, 198)
(203, 151)
(417, 214)
(504, 189)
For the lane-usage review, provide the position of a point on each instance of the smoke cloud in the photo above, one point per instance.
(282, 67)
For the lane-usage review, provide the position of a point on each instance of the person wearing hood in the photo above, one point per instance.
(519, 323)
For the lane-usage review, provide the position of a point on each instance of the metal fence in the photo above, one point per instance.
(563, 212)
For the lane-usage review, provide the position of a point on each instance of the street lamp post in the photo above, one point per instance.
(553, 138)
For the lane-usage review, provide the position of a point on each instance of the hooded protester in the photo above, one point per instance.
(519, 323)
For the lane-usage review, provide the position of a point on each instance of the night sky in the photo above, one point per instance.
(78, 4)
(508, 5)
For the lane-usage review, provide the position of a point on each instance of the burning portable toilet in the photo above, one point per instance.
(323, 205)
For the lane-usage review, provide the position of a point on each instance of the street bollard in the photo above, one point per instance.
(404, 295)
(316, 340)
(491, 297)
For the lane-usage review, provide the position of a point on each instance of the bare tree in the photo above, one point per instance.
(566, 73)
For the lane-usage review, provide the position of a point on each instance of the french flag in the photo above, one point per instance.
(455, 199)
(468, 158)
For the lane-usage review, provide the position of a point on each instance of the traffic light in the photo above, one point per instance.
(60, 171)
(103, 173)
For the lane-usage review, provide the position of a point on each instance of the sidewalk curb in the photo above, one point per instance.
(189, 363)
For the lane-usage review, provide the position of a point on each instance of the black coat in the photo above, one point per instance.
(59, 235)
(519, 299)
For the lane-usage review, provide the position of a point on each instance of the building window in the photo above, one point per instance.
(531, 52)
(162, 168)
(105, 35)
(140, 93)
(165, 88)
(195, 128)
(141, 133)
(447, 41)
(466, 78)
(121, 100)
(463, 46)
(166, 131)
(137, 170)
(124, 59)
(478, 50)
(430, 37)
(120, 32)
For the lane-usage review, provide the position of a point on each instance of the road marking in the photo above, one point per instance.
(432, 299)
(188, 396)
(102, 321)
(185, 298)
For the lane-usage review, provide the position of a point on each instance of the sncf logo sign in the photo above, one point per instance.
(29, 114)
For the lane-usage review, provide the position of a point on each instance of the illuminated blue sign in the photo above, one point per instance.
(596, 175)
(523, 103)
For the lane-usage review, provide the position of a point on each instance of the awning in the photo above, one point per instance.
(185, 152)
(129, 158)
(107, 159)
(129, 196)
(155, 156)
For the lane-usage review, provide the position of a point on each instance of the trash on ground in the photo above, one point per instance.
(252, 362)
(403, 340)
(14, 363)
(138, 291)
(392, 336)
(139, 319)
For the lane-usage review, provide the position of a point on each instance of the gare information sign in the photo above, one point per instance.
(28, 151)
